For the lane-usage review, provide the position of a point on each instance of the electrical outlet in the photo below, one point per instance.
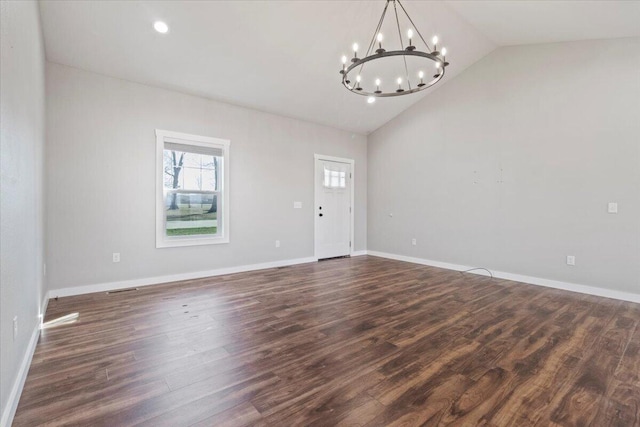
(277, 243)
(414, 241)
(612, 208)
(116, 257)
(297, 205)
(15, 327)
(571, 260)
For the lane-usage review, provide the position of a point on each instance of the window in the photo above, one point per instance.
(192, 200)
(335, 179)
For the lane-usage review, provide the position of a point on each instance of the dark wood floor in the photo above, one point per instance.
(355, 342)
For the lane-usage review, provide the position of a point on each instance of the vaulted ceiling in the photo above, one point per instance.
(283, 57)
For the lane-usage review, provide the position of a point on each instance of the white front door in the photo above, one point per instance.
(333, 209)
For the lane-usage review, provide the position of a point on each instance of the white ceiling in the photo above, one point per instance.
(536, 21)
(283, 57)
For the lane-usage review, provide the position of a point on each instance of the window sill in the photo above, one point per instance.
(178, 242)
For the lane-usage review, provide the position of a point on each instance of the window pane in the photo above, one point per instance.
(191, 171)
(335, 179)
(191, 214)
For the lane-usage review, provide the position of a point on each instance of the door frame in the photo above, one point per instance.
(316, 181)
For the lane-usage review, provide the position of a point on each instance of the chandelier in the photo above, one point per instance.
(410, 75)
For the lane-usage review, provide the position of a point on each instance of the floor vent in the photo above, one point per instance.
(122, 290)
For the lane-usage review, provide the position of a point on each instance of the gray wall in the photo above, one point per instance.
(101, 180)
(510, 166)
(21, 198)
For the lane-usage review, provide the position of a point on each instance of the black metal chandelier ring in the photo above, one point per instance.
(357, 89)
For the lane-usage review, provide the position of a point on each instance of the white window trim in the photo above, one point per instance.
(162, 241)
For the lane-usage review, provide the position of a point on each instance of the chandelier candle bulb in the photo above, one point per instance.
(437, 70)
(380, 49)
(410, 36)
(371, 99)
(435, 46)
(363, 71)
(444, 56)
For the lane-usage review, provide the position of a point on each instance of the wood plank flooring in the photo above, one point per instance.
(348, 342)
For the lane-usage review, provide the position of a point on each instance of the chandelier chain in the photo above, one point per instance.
(404, 58)
(414, 26)
(375, 33)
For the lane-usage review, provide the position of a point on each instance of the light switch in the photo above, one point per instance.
(297, 205)
(612, 208)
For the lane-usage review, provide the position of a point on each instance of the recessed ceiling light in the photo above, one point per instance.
(161, 27)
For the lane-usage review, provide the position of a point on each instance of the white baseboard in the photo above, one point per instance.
(573, 287)
(16, 390)
(43, 308)
(420, 261)
(112, 286)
